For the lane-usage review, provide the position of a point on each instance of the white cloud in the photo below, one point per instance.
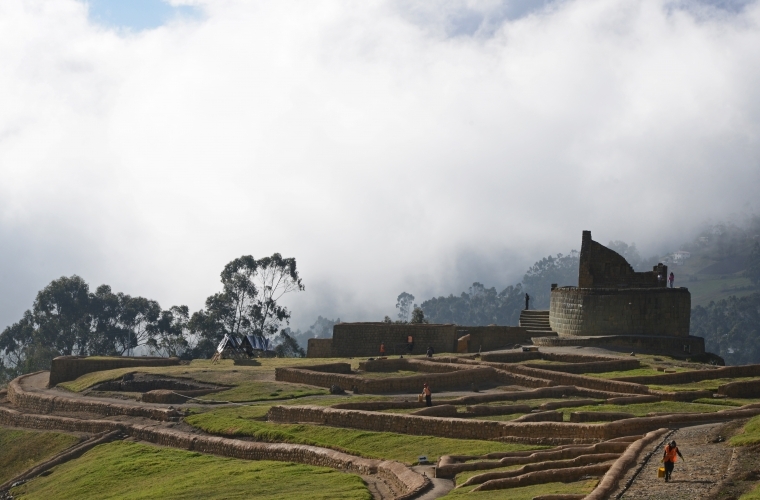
(387, 146)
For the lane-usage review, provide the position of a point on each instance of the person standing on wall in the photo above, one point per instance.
(409, 343)
(382, 349)
(428, 394)
(671, 279)
(527, 301)
(669, 458)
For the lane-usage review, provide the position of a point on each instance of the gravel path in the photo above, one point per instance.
(705, 466)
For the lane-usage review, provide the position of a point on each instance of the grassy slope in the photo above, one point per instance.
(104, 473)
(246, 421)
(752, 495)
(709, 385)
(750, 435)
(21, 450)
(524, 493)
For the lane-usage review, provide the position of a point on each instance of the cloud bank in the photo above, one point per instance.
(388, 146)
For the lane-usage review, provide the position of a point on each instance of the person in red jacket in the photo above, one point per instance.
(428, 394)
(669, 458)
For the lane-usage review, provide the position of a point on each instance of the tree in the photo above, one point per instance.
(562, 270)
(248, 303)
(753, 265)
(730, 327)
(404, 304)
(478, 306)
(418, 316)
(287, 346)
(172, 333)
(62, 314)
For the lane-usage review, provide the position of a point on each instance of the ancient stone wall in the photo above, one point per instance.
(364, 339)
(592, 367)
(696, 375)
(675, 346)
(319, 348)
(65, 368)
(601, 267)
(410, 384)
(609, 311)
(492, 338)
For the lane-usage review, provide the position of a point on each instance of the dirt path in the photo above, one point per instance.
(706, 465)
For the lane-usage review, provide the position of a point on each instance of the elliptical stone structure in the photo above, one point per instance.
(614, 305)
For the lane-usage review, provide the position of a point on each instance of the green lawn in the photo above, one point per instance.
(524, 493)
(750, 434)
(644, 371)
(22, 450)
(641, 409)
(702, 385)
(247, 422)
(264, 391)
(202, 370)
(131, 470)
(752, 495)
(464, 476)
(727, 401)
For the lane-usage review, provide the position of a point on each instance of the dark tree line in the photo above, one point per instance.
(66, 318)
(731, 328)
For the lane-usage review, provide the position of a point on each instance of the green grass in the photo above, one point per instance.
(702, 385)
(131, 470)
(636, 372)
(223, 373)
(524, 493)
(22, 450)
(727, 401)
(247, 422)
(752, 495)
(264, 391)
(641, 409)
(713, 288)
(400, 373)
(464, 476)
(750, 434)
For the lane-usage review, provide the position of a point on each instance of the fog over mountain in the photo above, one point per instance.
(386, 145)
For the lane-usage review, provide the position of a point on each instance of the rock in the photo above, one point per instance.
(336, 389)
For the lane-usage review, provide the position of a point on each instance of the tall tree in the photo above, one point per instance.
(562, 270)
(404, 304)
(62, 313)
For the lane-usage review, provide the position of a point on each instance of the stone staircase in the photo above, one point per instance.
(537, 322)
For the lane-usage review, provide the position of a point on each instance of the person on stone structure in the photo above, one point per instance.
(382, 349)
(527, 301)
(671, 279)
(409, 343)
(669, 458)
(430, 351)
(428, 394)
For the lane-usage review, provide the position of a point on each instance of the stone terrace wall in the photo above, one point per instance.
(45, 403)
(319, 348)
(677, 346)
(609, 311)
(526, 432)
(696, 375)
(491, 338)
(65, 368)
(363, 339)
(403, 478)
(593, 367)
(410, 384)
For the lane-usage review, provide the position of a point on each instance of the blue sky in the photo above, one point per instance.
(136, 15)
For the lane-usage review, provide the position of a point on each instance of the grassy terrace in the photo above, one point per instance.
(750, 434)
(524, 493)
(249, 422)
(22, 450)
(104, 472)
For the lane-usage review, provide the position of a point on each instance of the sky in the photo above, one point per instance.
(388, 146)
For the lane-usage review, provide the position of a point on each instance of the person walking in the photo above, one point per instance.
(669, 458)
(671, 279)
(409, 343)
(382, 349)
(527, 301)
(428, 394)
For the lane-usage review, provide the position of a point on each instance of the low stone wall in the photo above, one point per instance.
(344, 368)
(571, 379)
(511, 356)
(364, 339)
(403, 478)
(521, 432)
(748, 389)
(599, 416)
(696, 375)
(411, 384)
(618, 365)
(45, 403)
(686, 346)
(490, 338)
(65, 368)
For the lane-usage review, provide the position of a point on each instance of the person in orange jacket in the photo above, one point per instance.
(382, 349)
(669, 458)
